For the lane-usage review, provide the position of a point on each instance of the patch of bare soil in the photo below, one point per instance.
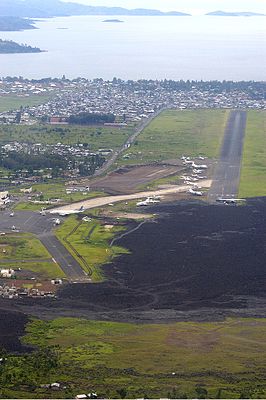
(128, 179)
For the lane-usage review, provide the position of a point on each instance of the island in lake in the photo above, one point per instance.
(115, 21)
(234, 14)
(15, 24)
(10, 47)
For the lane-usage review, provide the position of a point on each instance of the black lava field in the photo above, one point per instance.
(193, 256)
(12, 327)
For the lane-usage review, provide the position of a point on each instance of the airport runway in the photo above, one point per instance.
(42, 226)
(227, 172)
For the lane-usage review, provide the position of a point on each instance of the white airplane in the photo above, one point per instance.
(69, 212)
(142, 203)
(199, 166)
(152, 200)
(229, 201)
(195, 192)
(57, 221)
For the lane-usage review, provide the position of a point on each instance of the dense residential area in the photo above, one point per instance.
(129, 101)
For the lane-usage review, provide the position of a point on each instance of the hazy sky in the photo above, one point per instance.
(193, 6)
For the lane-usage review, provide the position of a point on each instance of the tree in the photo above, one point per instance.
(122, 393)
(201, 392)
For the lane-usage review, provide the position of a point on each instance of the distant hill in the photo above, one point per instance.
(9, 47)
(56, 8)
(234, 14)
(15, 24)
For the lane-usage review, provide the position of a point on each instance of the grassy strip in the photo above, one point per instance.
(175, 133)
(45, 270)
(91, 241)
(253, 172)
(226, 359)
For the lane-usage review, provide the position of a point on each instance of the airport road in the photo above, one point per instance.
(42, 226)
(227, 172)
(107, 165)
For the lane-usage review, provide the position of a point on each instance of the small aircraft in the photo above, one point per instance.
(142, 203)
(199, 166)
(229, 201)
(69, 212)
(195, 192)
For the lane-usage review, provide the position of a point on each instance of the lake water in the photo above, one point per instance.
(198, 47)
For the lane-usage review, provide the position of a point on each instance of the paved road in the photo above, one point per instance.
(128, 142)
(227, 172)
(25, 221)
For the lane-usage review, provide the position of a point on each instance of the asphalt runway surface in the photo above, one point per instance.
(227, 172)
(42, 226)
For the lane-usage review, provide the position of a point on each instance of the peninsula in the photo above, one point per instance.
(15, 24)
(10, 47)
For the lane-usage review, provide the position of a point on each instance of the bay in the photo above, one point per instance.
(197, 47)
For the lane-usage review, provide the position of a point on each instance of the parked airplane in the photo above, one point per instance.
(229, 201)
(195, 192)
(142, 203)
(69, 212)
(199, 166)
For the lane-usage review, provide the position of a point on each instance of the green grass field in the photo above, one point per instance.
(44, 270)
(91, 240)
(253, 172)
(13, 102)
(180, 360)
(176, 133)
(29, 254)
(96, 137)
(22, 246)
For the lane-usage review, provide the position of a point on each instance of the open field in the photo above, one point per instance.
(26, 252)
(179, 360)
(41, 270)
(12, 102)
(253, 173)
(89, 243)
(96, 136)
(176, 133)
(128, 179)
(22, 247)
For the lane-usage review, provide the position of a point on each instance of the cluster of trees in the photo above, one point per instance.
(17, 161)
(29, 369)
(91, 164)
(91, 118)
